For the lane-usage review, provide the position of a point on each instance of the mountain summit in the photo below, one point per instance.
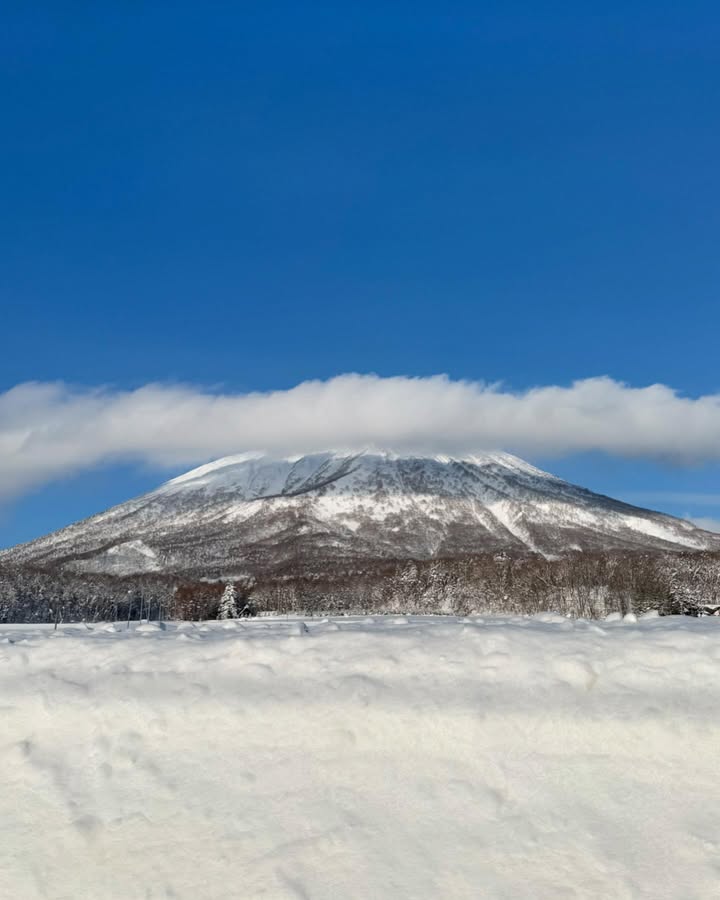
(254, 512)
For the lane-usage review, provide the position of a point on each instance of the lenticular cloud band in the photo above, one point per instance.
(51, 430)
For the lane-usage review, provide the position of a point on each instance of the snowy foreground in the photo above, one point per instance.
(361, 758)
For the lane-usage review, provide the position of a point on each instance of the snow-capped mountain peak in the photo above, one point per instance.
(254, 510)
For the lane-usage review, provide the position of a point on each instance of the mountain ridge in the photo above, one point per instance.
(257, 511)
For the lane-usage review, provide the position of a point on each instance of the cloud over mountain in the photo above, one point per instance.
(49, 430)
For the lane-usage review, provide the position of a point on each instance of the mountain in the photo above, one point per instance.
(253, 512)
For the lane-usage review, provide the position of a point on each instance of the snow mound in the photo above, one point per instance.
(363, 757)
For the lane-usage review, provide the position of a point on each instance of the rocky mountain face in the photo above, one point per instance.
(251, 513)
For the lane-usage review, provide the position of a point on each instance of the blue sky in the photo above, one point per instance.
(246, 196)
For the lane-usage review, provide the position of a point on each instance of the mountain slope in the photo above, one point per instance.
(253, 511)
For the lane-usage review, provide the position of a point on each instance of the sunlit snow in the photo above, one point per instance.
(386, 757)
(373, 505)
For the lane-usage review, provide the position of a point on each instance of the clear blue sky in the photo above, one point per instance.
(253, 194)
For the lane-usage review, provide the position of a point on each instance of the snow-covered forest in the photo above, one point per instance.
(586, 585)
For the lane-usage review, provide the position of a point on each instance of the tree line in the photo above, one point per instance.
(586, 585)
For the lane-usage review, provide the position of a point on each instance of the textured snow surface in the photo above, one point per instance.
(361, 758)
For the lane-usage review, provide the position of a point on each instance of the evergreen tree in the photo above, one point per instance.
(228, 603)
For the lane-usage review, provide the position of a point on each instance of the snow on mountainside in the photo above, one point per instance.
(252, 511)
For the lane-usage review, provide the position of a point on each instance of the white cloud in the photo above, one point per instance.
(51, 430)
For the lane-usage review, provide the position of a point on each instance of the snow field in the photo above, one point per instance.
(387, 757)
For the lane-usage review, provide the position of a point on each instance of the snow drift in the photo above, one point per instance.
(355, 758)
